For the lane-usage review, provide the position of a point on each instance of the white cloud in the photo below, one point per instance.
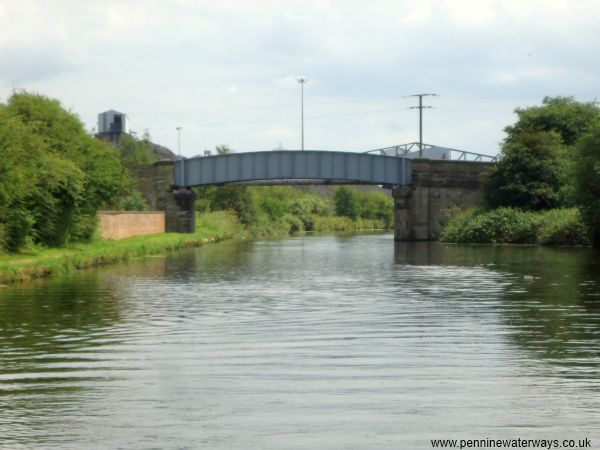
(232, 66)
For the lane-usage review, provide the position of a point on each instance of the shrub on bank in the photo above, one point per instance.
(502, 225)
(512, 226)
(562, 227)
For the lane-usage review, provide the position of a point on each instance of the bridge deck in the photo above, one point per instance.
(292, 166)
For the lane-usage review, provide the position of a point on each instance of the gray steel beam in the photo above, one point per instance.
(285, 166)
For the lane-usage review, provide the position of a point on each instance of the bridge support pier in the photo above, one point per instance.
(156, 184)
(437, 187)
(180, 208)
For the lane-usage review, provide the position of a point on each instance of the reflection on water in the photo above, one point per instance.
(311, 342)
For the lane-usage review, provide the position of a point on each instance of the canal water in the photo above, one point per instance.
(335, 342)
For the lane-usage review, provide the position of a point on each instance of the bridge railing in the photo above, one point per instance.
(411, 150)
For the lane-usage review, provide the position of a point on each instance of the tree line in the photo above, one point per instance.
(55, 176)
(547, 180)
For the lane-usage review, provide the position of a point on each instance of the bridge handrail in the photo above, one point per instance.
(405, 149)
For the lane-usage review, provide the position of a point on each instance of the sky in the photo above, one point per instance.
(226, 71)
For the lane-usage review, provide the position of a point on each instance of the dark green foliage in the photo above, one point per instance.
(53, 175)
(569, 118)
(274, 207)
(588, 182)
(503, 225)
(512, 226)
(527, 176)
(346, 202)
(537, 170)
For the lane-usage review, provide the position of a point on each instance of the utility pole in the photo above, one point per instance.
(302, 81)
(420, 108)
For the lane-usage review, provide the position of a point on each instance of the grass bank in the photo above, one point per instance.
(559, 227)
(36, 262)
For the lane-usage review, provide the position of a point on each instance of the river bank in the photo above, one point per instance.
(40, 262)
(43, 262)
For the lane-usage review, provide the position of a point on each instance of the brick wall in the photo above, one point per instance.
(120, 224)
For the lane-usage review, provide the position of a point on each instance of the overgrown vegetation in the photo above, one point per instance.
(282, 210)
(513, 226)
(55, 176)
(550, 163)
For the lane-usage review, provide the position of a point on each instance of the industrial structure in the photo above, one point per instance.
(112, 125)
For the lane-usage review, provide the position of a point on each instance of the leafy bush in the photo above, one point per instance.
(377, 206)
(133, 202)
(562, 227)
(511, 226)
(503, 225)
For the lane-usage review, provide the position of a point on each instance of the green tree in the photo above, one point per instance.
(568, 120)
(527, 176)
(346, 202)
(564, 115)
(588, 182)
(54, 176)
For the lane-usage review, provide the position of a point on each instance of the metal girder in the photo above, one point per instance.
(290, 167)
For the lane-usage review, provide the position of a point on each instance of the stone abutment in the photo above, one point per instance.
(156, 183)
(437, 187)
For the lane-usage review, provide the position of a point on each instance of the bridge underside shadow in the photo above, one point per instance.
(293, 167)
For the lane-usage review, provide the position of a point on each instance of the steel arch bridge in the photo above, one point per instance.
(293, 167)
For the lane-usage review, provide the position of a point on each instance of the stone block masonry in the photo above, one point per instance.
(437, 186)
(120, 224)
(156, 183)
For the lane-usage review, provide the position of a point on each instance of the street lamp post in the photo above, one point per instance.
(179, 140)
(179, 153)
(302, 81)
